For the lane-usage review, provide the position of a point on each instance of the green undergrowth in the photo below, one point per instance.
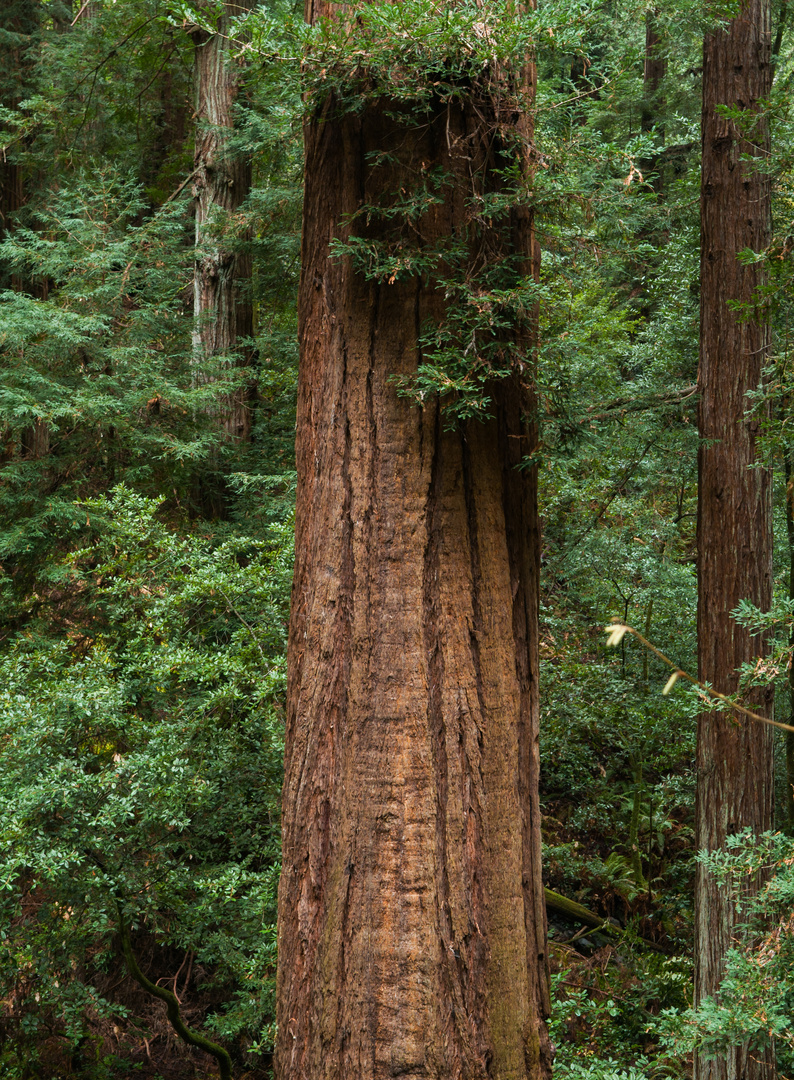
(140, 765)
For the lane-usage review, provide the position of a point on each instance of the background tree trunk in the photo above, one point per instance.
(19, 42)
(653, 102)
(222, 303)
(788, 465)
(735, 757)
(654, 71)
(19, 33)
(412, 936)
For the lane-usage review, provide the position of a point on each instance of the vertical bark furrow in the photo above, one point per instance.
(518, 432)
(434, 666)
(475, 625)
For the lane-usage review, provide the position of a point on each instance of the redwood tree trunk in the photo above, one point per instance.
(735, 758)
(221, 285)
(653, 104)
(788, 464)
(654, 71)
(19, 25)
(412, 935)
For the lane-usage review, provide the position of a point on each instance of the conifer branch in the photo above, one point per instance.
(617, 630)
(628, 404)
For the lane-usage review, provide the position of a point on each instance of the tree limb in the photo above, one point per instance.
(573, 910)
(193, 1038)
(628, 404)
(618, 629)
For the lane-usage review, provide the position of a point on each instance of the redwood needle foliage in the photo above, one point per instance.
(100, 364)
(141, 646)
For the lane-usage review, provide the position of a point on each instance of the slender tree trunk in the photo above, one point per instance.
(12, 82)
(164, 161)
(735, 756)
(19, 25)
(412, 935)
(652, 109)
(11, 200)
(654, 71)
(653, 104)
(222, 303)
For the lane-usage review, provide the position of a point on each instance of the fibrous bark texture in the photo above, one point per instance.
(411, 908)
(222, 180)
(734, 523)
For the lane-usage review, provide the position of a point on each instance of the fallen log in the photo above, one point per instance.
(604, 925)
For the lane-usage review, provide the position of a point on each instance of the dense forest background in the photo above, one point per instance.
(146, 490)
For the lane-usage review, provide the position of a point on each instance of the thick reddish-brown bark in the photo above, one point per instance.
(411, 911)
(221, 286)
(734, 521)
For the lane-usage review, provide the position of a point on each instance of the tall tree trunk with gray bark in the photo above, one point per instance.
(222, 181)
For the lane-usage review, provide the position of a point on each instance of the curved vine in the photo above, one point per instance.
(193, 1038)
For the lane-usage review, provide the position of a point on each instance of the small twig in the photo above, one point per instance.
(94, 73)
(580, 95)
(247, 625)
(186, 181)
(109, 56)
(189, 972)
(617, 631)
(79, 13)
(591, 990)
(616, 490)
(581, 933)
(176, 977)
